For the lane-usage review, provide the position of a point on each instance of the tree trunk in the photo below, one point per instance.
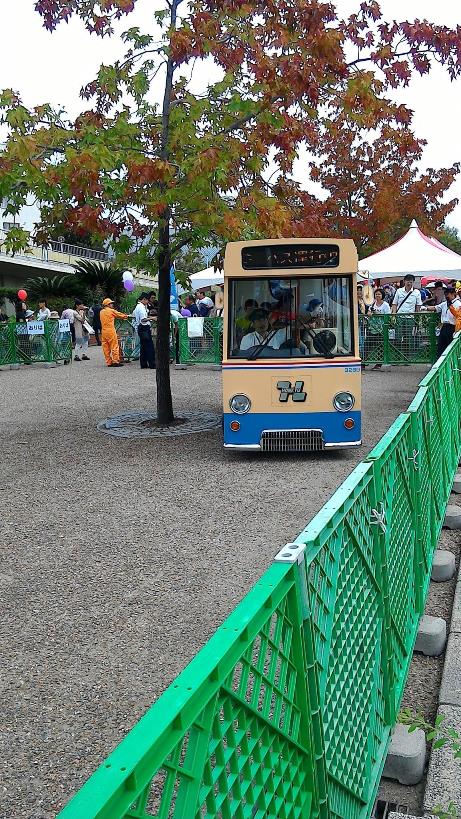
(164, 399)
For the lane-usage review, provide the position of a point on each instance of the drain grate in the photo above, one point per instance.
(382, 809)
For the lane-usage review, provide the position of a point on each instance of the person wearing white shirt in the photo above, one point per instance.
(43, 311)
(447, 319)
(262, 333)
(407, 299)
(142, 322)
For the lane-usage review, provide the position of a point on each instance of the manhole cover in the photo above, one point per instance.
(136, 425)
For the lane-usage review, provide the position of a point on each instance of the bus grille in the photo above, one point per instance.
(292, 440)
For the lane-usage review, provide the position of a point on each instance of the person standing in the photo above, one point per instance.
(94, 314)
(142, 322)
(380, 307)
(110, 343)
(450, 311)
(43, 312)
(406, 302)
(68, 314)
(81, 334)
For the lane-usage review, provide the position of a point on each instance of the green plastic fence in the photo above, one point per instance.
(202, 349)
(17, 346)
(405, 339)
(287, 711)
(129, 339)
(409, 339)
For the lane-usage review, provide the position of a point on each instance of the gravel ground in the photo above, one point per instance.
(121, 557)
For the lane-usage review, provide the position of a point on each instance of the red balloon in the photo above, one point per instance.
(22, 295)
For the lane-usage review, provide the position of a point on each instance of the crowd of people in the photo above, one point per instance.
(99, 319)
(405, 299)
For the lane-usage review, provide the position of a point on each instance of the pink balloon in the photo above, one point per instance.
(128, 285)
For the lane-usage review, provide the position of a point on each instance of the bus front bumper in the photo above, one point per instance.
(278, 432)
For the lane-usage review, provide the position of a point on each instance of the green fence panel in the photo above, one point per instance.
(7, 344)
(204, 349)
(399, 339)
(128, 338)
(344, 581)
(59, 343)
(231, 736)
(31, 349)
(288, 710)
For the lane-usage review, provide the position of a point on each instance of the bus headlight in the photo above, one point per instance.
(343, 401)
(240, 404)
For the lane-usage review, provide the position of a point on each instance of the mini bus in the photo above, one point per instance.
(291, 368)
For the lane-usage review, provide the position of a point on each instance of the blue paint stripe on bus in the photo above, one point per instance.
(253, 424)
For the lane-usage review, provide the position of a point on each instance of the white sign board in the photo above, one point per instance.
(35, 328)
(64, 326)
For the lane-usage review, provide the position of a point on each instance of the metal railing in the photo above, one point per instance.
(56, 251)
(20, 345)
(287, 711)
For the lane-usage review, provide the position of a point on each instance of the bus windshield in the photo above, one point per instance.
(297, 317)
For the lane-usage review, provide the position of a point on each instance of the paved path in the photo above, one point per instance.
(120, 557)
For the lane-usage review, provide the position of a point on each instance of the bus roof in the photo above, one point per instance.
(271, 257)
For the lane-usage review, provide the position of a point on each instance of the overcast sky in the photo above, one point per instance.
(52, 68)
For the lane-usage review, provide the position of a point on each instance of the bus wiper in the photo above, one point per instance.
(261, 346)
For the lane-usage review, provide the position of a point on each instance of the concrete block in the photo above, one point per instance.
(452, 517)
(443, 566)
(450, 690)
(394, 815)
(49, 364)
(443, 783)
(180, 366)
(15, 366)
(432, 636)
(406, 756)
(455, 625)
(457, 484)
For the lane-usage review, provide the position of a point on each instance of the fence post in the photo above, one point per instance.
(381, 557)
(311, 728)
(418, 507)
(386, 339)
(433, 338)
(217, 336)
(48, 344)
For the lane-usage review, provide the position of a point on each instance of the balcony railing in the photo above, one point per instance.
(56, 251)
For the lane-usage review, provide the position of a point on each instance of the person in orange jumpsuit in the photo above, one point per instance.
(109, 339)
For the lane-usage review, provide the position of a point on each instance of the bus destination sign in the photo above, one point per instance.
(276, 257)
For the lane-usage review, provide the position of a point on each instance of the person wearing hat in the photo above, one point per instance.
(142, 323)
(109, 338)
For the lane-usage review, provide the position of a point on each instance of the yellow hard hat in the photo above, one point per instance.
(106, 302)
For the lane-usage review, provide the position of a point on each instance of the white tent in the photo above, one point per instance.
(413, 253)
(206, 278)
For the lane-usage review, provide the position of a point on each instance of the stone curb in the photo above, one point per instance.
(450, 690)
(443, 783)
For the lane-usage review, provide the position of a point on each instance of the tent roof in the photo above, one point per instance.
(206, 278)
(413, 253)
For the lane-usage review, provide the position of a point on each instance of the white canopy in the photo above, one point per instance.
(206, 278)
(413, 253)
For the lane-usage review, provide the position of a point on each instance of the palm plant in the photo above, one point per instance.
(51, 287)
(102, 279)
